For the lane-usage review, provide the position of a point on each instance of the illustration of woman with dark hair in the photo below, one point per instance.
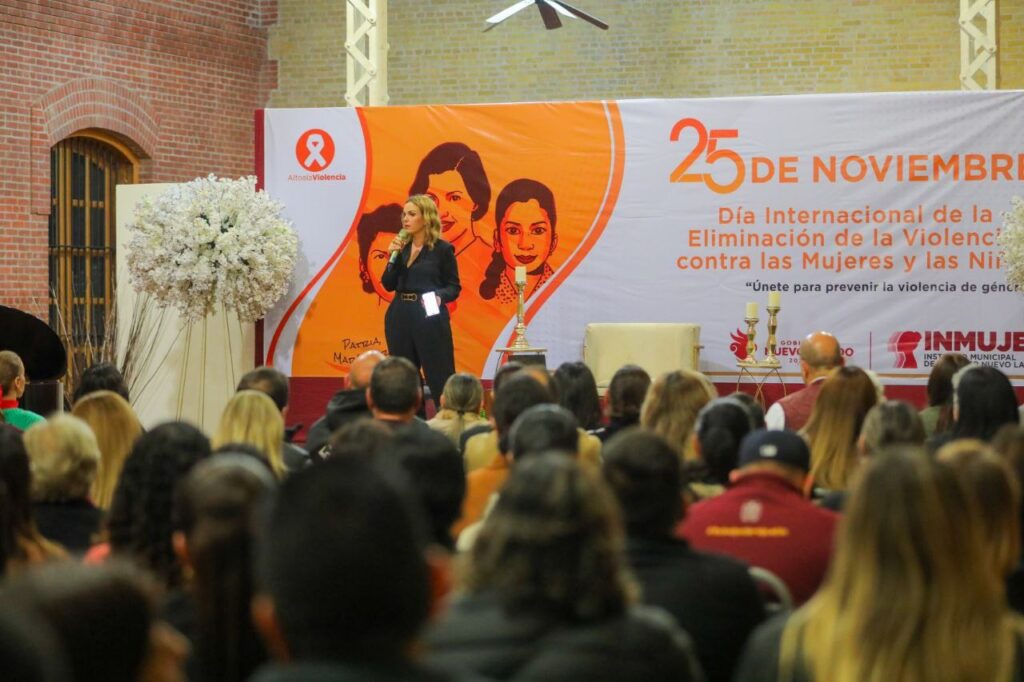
(374, 233)
(453, 176)
(525, 236)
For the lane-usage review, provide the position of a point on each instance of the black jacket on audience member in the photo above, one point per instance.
(712, 597)
(71, 523)
(331, 671)
(344, 406)
(476, 635)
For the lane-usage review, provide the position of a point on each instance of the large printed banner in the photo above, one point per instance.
(875, 215)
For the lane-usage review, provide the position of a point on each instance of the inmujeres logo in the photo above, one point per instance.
(739, 344)
(915, 349)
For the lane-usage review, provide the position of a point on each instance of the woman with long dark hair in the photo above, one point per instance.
(215, 519)
(547, 596)
(525, 235)
(577, 392)
(983, 402)
(139, 524)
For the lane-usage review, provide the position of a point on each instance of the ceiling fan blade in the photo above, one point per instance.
(580, 13)
(558, 8)
(549, 15)
(508, 11)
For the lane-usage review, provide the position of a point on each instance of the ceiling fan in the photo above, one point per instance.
(549, 11)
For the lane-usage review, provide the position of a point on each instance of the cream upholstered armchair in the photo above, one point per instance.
(658, 347)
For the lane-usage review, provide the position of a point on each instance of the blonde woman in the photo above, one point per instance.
(994, 487)
(672, 405)
(116, 427)
(65, 459)
(835, 425)
(911, 594)
(252, 417)
(424, 275)
(460, 406)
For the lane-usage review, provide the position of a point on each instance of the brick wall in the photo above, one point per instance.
(655, 48)
(177, 80)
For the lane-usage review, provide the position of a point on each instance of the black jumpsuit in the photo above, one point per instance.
(425, 341)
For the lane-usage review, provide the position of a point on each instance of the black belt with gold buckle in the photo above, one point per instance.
(406, 296)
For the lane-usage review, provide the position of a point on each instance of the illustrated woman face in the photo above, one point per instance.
(526, 236)
(377, 261)
(454, 205)
(412, 219)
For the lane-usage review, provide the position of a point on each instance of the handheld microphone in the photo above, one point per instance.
(404, 236)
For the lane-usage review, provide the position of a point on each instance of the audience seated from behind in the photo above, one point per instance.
(672, 405)
(887, 424)
(252, 417)
(21, 544)
(820, 355)
(12, 387)
(396, 394)
(436, 476)
(345, 406)
(832, 431)
(103, 376)
(577, 392)
(1009, 443)
(721, 426)
(539, 429)
(344, 598)
(752, 406)
(911, 567)
(274, 384)
(626, 394)
(116, 427)
(502, 373)
(65, 459)
(516, 394)
(29, 651)
(215, 521)
(546, 594)
(140, 524)
(364, 437)
(938, 416)
(713, 598)
(461, 401)
(764, 518)
(481, 450)
(101, 620)
(983, 402)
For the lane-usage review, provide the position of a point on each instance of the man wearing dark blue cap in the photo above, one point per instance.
(764, 518)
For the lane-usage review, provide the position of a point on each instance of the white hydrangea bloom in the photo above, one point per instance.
(1012, 240)
(212, 241)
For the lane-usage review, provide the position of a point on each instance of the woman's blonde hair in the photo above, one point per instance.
(431, 220)
(911, 594)
(836, 420)
(994, 487)
(116, 428)
(64, 457)
(672, 405)
(252, 417)
(462, 398)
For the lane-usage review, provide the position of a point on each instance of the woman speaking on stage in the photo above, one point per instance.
(424, 275)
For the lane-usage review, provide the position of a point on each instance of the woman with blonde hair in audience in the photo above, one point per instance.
(672, 405)
(989, 478)
(116, 427)
(252, 417)
(21, 544)
(65, 460)
(460, 406)
(834, 426)
(912, 594)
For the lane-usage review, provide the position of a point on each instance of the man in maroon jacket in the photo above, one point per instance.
(819, 355)
(764, 519)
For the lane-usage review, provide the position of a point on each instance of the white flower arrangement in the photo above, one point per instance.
(1012, 240)
(209, 241)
